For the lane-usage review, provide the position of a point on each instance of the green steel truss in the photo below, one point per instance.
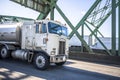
(42, 6)
(4, 18)
(37, 5)
(93, 19)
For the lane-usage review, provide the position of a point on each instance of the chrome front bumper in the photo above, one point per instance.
(58, 58)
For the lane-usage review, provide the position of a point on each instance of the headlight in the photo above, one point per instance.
(52, 53)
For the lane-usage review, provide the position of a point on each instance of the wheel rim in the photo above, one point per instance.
(3, 53)
(40, 61)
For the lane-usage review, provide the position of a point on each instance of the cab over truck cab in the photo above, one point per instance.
(41, 42)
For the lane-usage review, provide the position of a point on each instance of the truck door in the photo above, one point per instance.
(29, 37)
(40, 35)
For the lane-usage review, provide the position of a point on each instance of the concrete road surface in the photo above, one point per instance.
(73, 70)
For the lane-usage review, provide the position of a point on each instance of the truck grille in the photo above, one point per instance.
(61, 47)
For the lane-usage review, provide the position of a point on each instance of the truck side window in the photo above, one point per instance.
(37, 28)
(43, 28)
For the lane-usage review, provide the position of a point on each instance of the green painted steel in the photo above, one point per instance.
(13, 18)
(50, 8)
(103, 19)
(85, 17)
(53, 2)
(52, 14)
(119, 29)
(42, 16)
(98, 26)
(96, 29)
(42, 6)
(113, 27)
(92, 13)
(98, 22)
(37, 5)
(99, 40)
(82, 33)
(72, 27)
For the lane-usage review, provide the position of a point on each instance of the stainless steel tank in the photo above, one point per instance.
(10, 33)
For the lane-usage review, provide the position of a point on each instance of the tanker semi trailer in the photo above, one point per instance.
(41, 42)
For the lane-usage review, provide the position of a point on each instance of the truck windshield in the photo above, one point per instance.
(57, 29)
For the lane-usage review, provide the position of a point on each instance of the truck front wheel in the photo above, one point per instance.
(41, 61)
(4, 53)
(60, 64)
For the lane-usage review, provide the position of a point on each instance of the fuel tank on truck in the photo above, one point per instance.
(10, 33)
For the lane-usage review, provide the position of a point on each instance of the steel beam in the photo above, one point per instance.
(72, 27)
(96, 30)
(43, 16)
(113, 27)
(98, 26)
(52, 10)
(48, 9)
(85, 17)
(32, 4)
(119, 29)
(13, 18)
(82, 33)
(98, 40)
(52, 14)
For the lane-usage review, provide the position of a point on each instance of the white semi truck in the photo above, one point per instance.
(41, 42)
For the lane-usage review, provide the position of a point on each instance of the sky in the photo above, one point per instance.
(73, 9)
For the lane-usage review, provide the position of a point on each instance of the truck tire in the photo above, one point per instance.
(41, 61)
(60, 64)
(4, 53)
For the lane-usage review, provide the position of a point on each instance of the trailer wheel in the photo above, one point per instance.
(41, 61)
(60, 64)
(4, 53)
